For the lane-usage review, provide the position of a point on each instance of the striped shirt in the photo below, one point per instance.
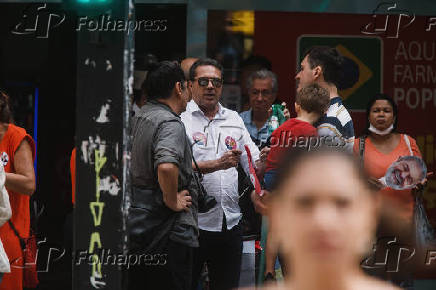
(337, 123)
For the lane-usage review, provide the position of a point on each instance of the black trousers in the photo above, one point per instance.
(222, 251)
(171, 270)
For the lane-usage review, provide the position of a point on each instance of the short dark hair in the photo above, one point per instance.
(203, 62)
(161, 80)
(329, 59)
(137, 94)
(5, 111)
(372, 101)
(313, 98)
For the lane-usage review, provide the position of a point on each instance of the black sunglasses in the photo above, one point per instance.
(204, 82)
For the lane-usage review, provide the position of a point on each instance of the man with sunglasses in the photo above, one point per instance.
(219, 137)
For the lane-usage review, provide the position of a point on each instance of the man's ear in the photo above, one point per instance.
(297, 108)
(178, 88)
(317, 72)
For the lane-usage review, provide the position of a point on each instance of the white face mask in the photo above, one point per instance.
(380, 132)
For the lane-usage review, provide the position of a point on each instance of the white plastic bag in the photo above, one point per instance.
(5, 215)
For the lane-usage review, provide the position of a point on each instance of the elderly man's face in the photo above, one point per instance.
(261, 95)
(404, 173)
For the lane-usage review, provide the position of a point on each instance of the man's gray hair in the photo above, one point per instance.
(419, 161)
(262, 75)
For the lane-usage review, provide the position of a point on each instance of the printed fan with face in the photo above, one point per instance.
(405, 173)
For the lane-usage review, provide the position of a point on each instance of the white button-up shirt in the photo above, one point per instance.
(212, 139)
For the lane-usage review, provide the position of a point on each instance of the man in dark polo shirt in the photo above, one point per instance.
(162, 218)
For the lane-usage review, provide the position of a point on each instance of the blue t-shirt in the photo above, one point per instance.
(259, 137)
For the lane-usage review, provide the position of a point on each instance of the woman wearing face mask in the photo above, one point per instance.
(382, 146)
(323, 216)
(378, 148)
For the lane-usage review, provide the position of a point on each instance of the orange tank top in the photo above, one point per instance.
(19, 202)
(377, 163)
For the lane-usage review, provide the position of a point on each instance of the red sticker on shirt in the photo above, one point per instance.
(199, 138)
(230, 143)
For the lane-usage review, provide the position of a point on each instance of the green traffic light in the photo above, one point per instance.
(92, 1)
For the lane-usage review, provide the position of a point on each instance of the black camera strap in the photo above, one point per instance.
(198, 177)
(200, 174)
(196, 167)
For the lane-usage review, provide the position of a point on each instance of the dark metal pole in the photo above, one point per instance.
(104, 86)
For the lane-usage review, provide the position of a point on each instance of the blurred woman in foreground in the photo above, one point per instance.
(323, 216)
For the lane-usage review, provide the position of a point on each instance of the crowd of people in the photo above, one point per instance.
(323, 207)
(322, 189)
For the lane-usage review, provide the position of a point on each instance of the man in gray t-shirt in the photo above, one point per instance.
(162, 218)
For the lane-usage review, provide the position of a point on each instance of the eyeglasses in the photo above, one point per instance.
(204, 82)
(265, 93)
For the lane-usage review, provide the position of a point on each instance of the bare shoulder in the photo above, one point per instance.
(358, 284)
(372, 283)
